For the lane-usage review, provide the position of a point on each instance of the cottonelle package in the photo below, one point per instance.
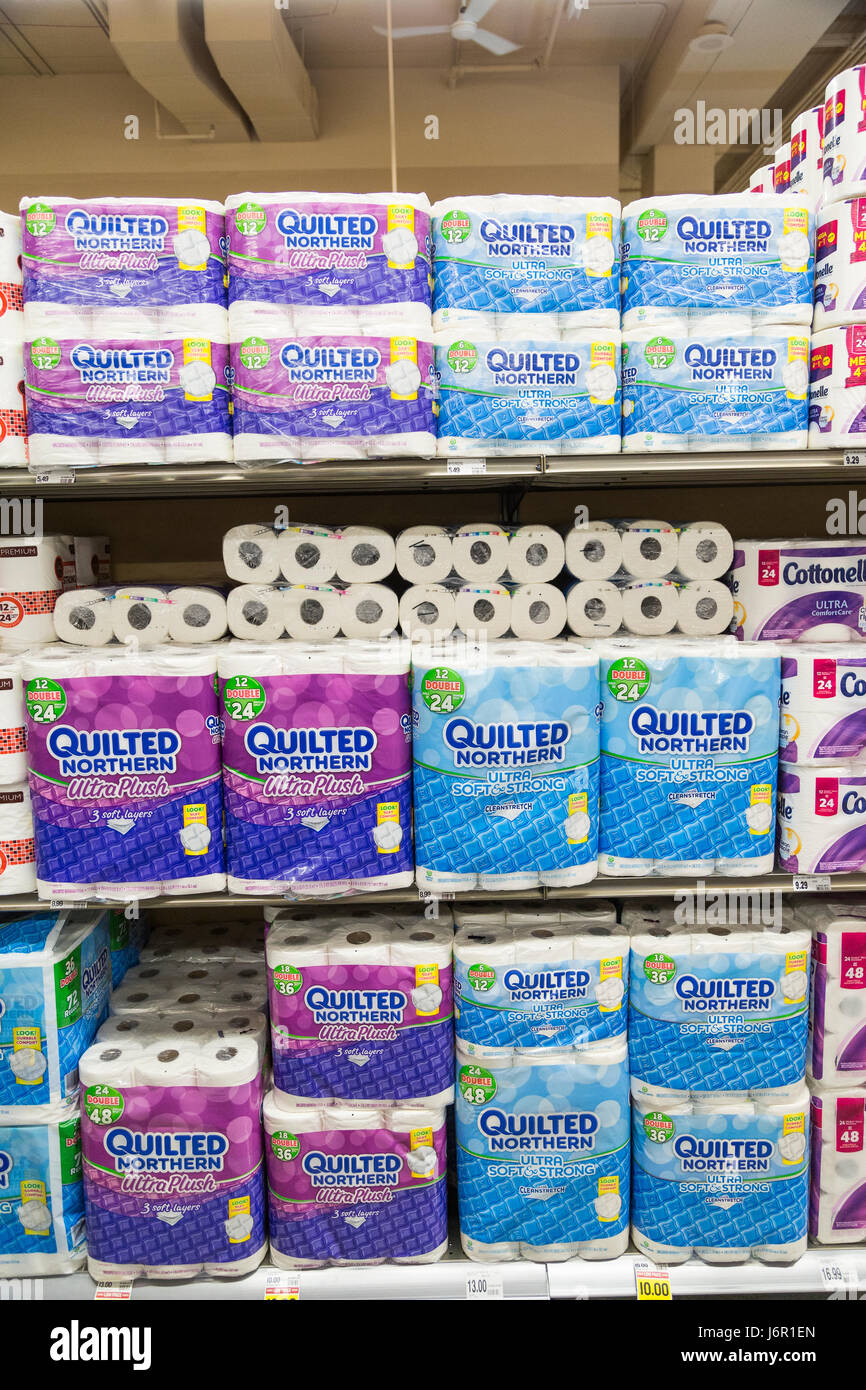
(41, 1195)
(810, 590)
(837, 1188)
(55, 977)
(837, 1017)
(822, 712)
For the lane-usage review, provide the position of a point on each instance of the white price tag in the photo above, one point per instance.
(811, 883)
(114, 1289)
(837, 1274)
(430, 895)
(48, 478)
(854, 460)
(466, 466)
(283, 1287)
(484, 1283)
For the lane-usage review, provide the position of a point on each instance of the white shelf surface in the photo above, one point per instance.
(616, 1278)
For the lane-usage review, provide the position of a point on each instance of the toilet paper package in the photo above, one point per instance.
(11, 293)
(822, 819)
(840, 266)
(511, 396)
(92, 560)
(734, 251)
(124, 757)
(127, 392)
(204, 941)
(689, 743)
(13, 731)
(505, 749)
(13, 419)
(355, 1187)
(41, 1195)
(33, 572)
(543, 986)
(543, 1153)
(737, 387)
(132, 251)
(173, 1156)
(726, 1009)
(800, 590)
(837, 1184)
(761, 180)
(837, 393)
(127, 936)
(329, 248)
(250, 554)
(525, 254)
(837, 1019)
(361, 1012)
(17, 846)
(317, 766)
(822, 716)
(807, 158)
(782, 168)
(844, 149)
(725, 1181)
(55, 977)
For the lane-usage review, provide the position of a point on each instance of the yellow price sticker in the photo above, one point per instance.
(653, 1285)
(282, 1288)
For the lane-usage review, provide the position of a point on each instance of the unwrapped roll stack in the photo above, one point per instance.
(682, 719)
(361, 1012)
(312, 612)
(298, 718)
(809, 590)
(156, 772)
(241, 941)
(144, 614)
(566, 1114)
(505, 748)
(837, 1196)
(42, 1214)
(399, 1147)
(687, 1153)
(187, 1096)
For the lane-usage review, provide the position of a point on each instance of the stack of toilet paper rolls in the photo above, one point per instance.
(822, 818)
(844, 145)
(13, 422)
(50, 1011)
(240, 940)
(565, 1115)
(127, 935)
(42, 1214)
(144, 614)
(689, 755)
(505, 778)
(648, 577)
(799, 590)
(782, 168)
(807, 162)
(17, 845)
(822, 712)
(837, 1021)
(837, 1195)
(357, 1151)
(725, 1178)
(34, 571)
(121, 295)
(545, 985)
(361, 1012)
(187, 1082)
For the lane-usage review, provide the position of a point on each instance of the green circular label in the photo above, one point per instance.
(285, 1145)
(40, 219)
(476, 1084)
(629, 679)
(250, 219)
(243, 698)
(255, 353)
(481, 977)
(103, 1104)
(652, 225)
(455, 226)
(462, 357)
(45, 699)
(442, 690)
(287, 979)
(45, 353)
(658, 1127)
(659, 968)
(660, 353)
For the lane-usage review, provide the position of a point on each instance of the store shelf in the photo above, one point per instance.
(694, 1279)
(434, 475)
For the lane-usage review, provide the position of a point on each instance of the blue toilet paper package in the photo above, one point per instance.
(727, 1182)
(689, 747)
(505, 750)
(41, 1195)
(543, 1154)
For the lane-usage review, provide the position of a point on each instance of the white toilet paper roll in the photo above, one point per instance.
(297, 945)
(84, 617)
(536, 554)
(307, 554)
(593, 551)
(837, 393)
(197, 615)
(251, 555)
(480, 552)
(356, 945)
(427, 608)
(140, 614)
(807, 160)
(365, 554)
(762, 180)
(844, 156)
(840, 270)
(227, 1062)
(704, 550)
(32, 573)
(424, 554)
(493, 945)
(483, 609)
(782, 168)
(368, 611)
(13, 732)
(164, 1063)
(650, 607)
(594, 608)
(17, 845)
(649, 548)
(256, 612)
(538, 612)
(110, 1063)
(704, 606)
(312, 613)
